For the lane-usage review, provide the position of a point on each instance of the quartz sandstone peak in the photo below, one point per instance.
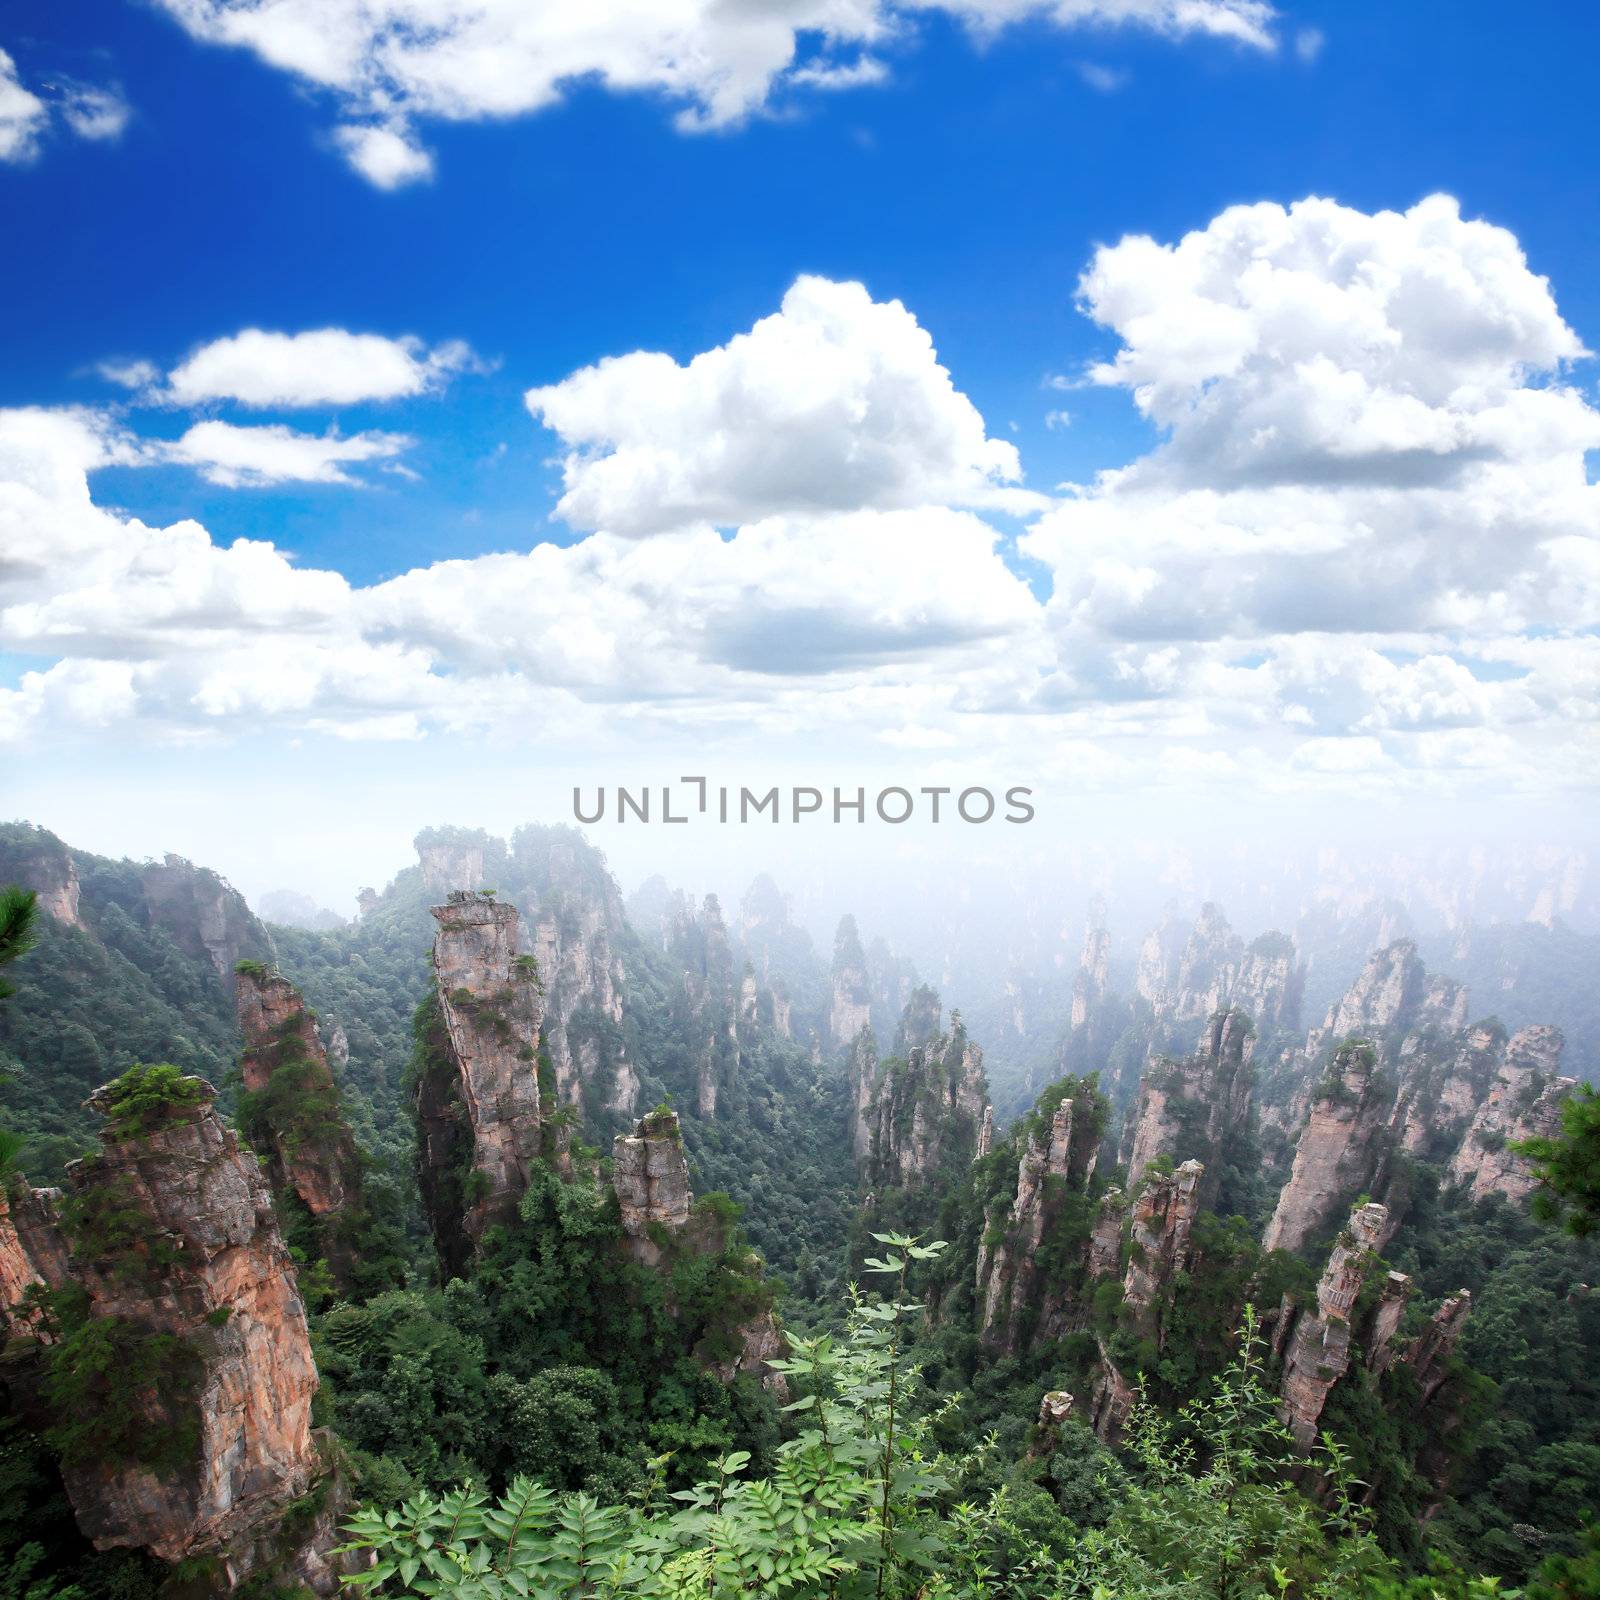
(1523, 1103)
(1019, 1304)
(1194, 1107)
(492, 1009)
(306, 1142)
(923, 1113)
(209, 1271)
(851, 1008)
(1316, 1344)
(1335, 1156)
(650, 1174)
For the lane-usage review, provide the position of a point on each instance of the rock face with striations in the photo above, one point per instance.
(574, 913)
(1163, 1216)
(1393, 996)
(922, 1113)
(583, 1006)
(1206, 967)
(492, 1011)
(1214, 970)
(293, 1114)
(1093, 976)
(650, 1174)
(1316, 1345)
(1524, 1102)
(1193, 1108)
(1056, 1162)
(851, 1008)
(222, 1443)
(203, 913)
(1337, 1150)
(38, 860)
(707, 1009)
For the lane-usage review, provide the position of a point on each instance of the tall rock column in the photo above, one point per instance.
(1191, 1108)
(1163, 1217)
(194, 1437)
(1337, 1152)
(1524, 1103)
(1316, 1345)
(292, 1112)
(650, 1176)
(492, 1009)
(1057, 1162)
(851, 1008)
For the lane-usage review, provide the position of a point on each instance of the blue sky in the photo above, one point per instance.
(973, 186)
(973, 183)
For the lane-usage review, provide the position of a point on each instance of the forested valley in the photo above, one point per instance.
(520, 1237)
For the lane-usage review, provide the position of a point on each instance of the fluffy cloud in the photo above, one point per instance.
(23, 115)
(92, 112)
(391, 61)
(1368, 429)
(835, 402)
(386, 157)
(1364, 551)
(326, 366)
(254, 458)
(89, 111)
(817, 599)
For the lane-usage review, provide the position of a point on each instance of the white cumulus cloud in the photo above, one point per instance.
(88, 110)
(259, 457)
(23, 115)
(325, 366)
(390, 62)
(835, 402)
(1362, 553)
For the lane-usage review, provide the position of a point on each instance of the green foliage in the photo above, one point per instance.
(121, 1392)
(860, 1503)
(18, 921)
(1569, 1165)
(147, 1095)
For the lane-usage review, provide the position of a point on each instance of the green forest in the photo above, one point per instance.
(868, 1354)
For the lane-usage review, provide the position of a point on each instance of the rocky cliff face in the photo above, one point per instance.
(292, 1112)
(583, 982)
(198, 1435)
(1442, 1083)
(707, 1011)
(650, 1174)
(1018, 1304)
(1393, 995)
(1523, 1103)
(492, 1012)
(1193, 1108)
(1164, 1209)
(1214, 970)
(851, 1008)
(576, 927)
(861, 1070)
(1206, 967)
(1093, 976)
(1316, 1345)
(923, 1113)
(919, 1022)
(38, 860)
(204, 915)
(451, 860)
(1338, 1149)
(1349, 1332)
